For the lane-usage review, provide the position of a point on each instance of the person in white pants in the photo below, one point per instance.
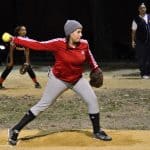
(70, 53)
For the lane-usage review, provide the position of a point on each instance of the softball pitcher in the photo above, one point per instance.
(70, 55)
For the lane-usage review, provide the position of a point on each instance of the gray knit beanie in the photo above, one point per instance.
(70, 26)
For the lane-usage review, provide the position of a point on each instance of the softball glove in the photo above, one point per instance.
(24, 68)
(96, 78)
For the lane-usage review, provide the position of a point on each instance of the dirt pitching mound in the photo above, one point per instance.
(77, 140)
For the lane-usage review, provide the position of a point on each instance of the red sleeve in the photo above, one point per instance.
(36, 45)
(90, 59)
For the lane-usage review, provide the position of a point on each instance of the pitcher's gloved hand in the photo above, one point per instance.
(24, 68)
(96, 78)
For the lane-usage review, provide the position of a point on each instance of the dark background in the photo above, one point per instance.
(107, 24)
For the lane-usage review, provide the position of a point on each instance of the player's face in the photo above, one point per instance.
(22, 31)
(76, 35)
(142, 9)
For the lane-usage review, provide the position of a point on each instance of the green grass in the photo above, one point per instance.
(119, 109)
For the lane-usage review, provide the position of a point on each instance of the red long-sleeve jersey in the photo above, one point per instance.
(69, 61)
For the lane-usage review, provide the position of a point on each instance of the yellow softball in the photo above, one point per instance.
(6, 37)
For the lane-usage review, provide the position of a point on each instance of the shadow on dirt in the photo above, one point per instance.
(46, 133)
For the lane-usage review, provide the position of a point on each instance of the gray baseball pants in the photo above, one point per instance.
(56, 87)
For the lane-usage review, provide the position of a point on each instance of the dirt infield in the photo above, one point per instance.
(18, 85)
(124, 100)
(77, 140)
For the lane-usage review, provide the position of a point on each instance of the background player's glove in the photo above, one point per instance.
(24, 68)
(96, 78)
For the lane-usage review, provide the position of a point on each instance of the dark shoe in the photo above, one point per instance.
(37, 85)
(12, 136)
(1, 86)
(102, 136)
